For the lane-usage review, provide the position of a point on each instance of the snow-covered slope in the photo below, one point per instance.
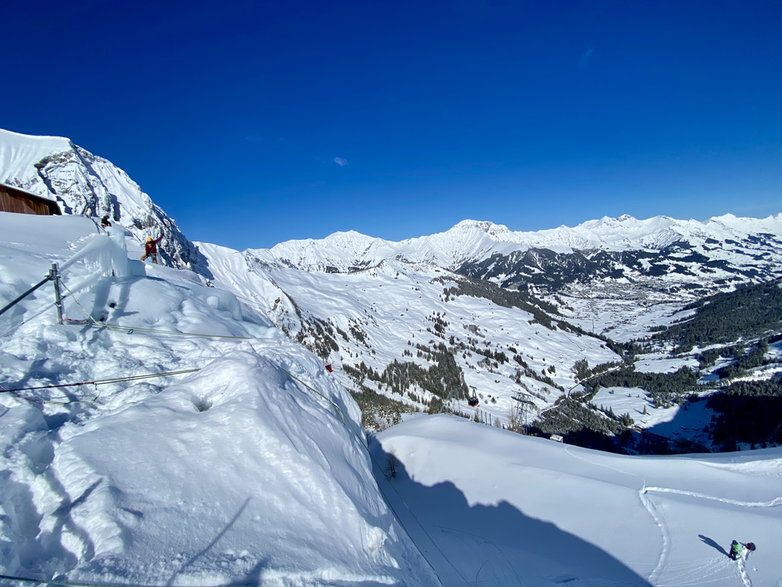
(488, 507)
(84, 184)
(604, 275)
(167, 434)
(382, 327)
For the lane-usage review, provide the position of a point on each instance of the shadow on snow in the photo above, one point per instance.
(491, 545)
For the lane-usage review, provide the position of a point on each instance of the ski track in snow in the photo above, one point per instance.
(749, 504)
(647, 503)
(663, 531)
(698, 578)
(742, 568)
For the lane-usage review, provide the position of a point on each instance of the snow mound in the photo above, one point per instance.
(202, 448)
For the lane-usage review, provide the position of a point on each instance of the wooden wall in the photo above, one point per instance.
(12, 200)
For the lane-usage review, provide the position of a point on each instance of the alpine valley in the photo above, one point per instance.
(638, 336)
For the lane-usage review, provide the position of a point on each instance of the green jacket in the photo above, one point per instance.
(736, 548)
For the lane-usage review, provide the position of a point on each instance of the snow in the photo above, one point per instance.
(676, 422)
(472, 240)
(660, 363)
(17, 151)
(391, 304)
(252, 468)
(489, 507)
(56, 169)
(632, 401)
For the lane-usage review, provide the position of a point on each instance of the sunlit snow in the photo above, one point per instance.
(251, 468)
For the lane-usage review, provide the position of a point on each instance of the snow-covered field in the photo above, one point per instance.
(245, 464)
(662, 363)
(489, 507)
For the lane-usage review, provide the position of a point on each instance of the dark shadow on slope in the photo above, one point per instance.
(111, 298)
(492, 545)
(209, 546)
(712, 543)
(683, 434)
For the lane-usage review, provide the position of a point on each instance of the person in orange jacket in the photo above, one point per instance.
(150, 248)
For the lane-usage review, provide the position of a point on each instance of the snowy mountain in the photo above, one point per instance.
(84, 184)
(602, 274)
(482, 313)
(167, 433)
(726, 238)
(417, 334)
(171, 432)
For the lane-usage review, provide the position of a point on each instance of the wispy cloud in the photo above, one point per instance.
(340, 161)
(585, 57)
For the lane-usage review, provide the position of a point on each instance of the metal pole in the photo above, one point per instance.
(27, 293)
(55, 277)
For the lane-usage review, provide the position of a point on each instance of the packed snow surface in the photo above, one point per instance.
(489, 507)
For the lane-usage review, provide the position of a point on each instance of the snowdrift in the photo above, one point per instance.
(250, 469)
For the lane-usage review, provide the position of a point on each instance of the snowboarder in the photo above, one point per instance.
(104, 222)
(150, 248)
(740, 549)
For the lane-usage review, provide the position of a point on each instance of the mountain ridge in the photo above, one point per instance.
(475, 241)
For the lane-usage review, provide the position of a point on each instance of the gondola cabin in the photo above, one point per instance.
(472, 402)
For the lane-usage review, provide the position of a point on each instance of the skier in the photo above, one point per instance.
(740, 549)
(104, 222)
(150, 248)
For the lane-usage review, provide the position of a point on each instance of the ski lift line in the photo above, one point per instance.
(340, 412)
(104, 381)
(134, 329)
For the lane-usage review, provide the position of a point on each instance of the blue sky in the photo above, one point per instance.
(252, 123)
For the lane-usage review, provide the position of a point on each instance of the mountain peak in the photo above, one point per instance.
(483, 225)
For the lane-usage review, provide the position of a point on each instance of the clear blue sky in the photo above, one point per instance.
(251, 123)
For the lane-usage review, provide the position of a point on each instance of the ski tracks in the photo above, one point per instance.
(742, 568)
(749, 504)
(666, 541)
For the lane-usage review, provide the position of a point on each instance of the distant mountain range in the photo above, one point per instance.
(479, 312)
(726, 238)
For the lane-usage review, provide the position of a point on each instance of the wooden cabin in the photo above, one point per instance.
(13, 199)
